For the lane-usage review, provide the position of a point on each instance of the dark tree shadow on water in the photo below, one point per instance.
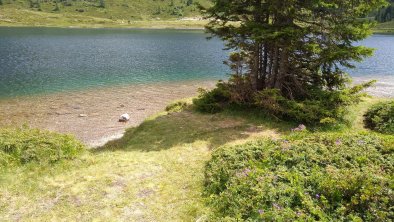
(188, 126)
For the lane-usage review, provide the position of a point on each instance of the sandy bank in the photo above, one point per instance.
(384, 86)
(92, 115)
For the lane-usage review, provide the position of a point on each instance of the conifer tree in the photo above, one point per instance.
(295, 46)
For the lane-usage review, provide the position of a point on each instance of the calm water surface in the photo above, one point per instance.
(45, 60)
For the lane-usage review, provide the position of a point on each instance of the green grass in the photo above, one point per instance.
(117, 13)
(24, 145)
(387, 27)
(154, 173)
(304, 177)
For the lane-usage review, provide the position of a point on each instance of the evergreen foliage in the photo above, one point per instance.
(380, 117)
(386, 14)
(176, 107)
(56, 9)
(295, 48)
(321, 177)
(102, 4)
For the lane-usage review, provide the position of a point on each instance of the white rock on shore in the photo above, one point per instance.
(124, 118)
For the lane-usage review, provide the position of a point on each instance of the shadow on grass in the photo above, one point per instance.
(188, 126)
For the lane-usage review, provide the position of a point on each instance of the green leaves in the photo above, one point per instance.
(288, 44)
(380, 117)
(326, 177)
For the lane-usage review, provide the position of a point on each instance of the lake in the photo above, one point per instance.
(47, 60)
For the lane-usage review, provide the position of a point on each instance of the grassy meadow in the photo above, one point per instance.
(154, 173)
(386, 27)
(23, 17)
(153, 14)
(115, 13)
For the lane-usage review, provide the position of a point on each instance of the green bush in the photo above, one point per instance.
(25, 145)
(319, 107)
(212, 101)
(176, 107)
(324, 107)
(326, 177)
(380, 117)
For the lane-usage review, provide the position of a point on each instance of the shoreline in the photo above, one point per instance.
(169, 27)
(92, 115)
(383, 88)
(147, 24)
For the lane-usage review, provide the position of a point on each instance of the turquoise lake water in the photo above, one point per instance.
(45, 60)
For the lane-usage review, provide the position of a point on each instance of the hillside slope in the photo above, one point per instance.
(116, 13)
(386, 27)
(106, 13)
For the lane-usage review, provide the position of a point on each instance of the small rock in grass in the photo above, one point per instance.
(124, 118)
(301, 127)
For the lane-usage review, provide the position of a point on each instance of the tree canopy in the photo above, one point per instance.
(385, 14)
(294, 46)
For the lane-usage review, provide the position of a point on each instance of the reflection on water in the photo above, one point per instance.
(43, 60)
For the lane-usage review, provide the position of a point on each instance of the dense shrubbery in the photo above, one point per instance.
(380, 117)
(212, 101)
(332, 177)
(20, 146)
(320, 107)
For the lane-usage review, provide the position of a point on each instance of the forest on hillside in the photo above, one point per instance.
(385, 14)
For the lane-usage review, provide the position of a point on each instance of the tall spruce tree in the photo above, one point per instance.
(296, 46)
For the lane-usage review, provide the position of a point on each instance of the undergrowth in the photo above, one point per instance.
(24, 145)
(380, 117)
(304, 177)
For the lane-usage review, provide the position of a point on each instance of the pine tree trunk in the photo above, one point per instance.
(254, 75)
(275, 67)
(283, 68)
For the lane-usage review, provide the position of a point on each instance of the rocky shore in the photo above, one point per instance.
(93, 115)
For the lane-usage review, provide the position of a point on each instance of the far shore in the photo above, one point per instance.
(120, 24)
(141, 24)
(146, 24)
(92, 115)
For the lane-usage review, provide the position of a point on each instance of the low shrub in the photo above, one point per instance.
(326, 177)
(319, 107)
(212, 101)
(25, 145)
(176, 107)
(380, 117)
